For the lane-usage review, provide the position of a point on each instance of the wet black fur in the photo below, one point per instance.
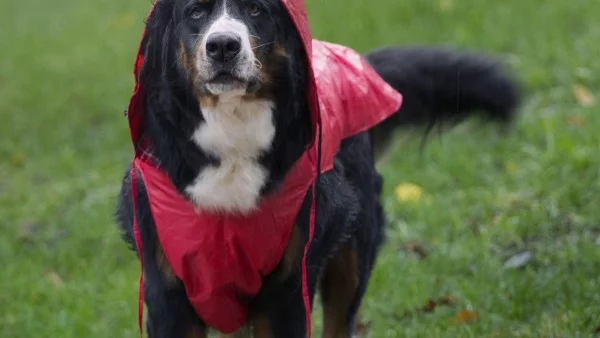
(438, 86)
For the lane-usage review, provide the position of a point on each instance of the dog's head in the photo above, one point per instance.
(202, 55)
(239, 47)
(223, 42)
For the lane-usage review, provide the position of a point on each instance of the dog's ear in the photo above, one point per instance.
(169, 101)
(156, 44)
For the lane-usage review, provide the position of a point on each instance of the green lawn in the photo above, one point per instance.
(65, 79)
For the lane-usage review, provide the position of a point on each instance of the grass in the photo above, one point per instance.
(65, 79)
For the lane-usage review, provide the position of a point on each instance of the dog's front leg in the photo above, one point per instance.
(279, 311)
(285, 315)
(170, 314)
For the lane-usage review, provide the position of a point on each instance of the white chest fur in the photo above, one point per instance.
(237, 132)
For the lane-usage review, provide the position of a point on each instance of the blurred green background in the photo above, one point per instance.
(478, 198)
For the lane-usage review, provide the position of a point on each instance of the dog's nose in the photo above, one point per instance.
(223, 47)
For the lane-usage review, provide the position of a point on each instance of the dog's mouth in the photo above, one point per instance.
(224, 78)
(224, 82)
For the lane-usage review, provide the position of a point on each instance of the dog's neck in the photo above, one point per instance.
(237, 131)
(232, 152)
(226, 152)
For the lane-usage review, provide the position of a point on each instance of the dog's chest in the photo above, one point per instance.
(237, 132)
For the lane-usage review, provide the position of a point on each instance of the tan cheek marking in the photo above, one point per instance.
(208, 101)
(187, 61)
(190, 64)
(279, 51)
(247, 98)
(264, 61)
(265, 75)
(268, 65)
(183, 58)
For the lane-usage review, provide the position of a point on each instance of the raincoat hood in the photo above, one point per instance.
(221, 259)
(297, 12)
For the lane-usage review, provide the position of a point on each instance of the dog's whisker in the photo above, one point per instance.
(264, 44)
(258, 64)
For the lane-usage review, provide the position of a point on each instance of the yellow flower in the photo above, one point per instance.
(408, 193)
(511, 167)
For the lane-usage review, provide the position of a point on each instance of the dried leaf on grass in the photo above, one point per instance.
(474, 226)
(54, 278)
(415, 248)
(27, 230)
(465, 316)
(583, 95)
(431, 305)
(577, 121)
(361, 329)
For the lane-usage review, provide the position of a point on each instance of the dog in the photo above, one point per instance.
(226, 111)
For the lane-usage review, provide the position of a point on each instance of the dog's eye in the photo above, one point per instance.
(254, 9)
(197, 13)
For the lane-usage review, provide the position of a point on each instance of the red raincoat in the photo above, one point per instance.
(222, 258)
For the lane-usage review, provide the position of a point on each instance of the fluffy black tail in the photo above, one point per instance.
(441, 86)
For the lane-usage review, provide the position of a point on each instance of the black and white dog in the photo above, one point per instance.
(227, 115)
